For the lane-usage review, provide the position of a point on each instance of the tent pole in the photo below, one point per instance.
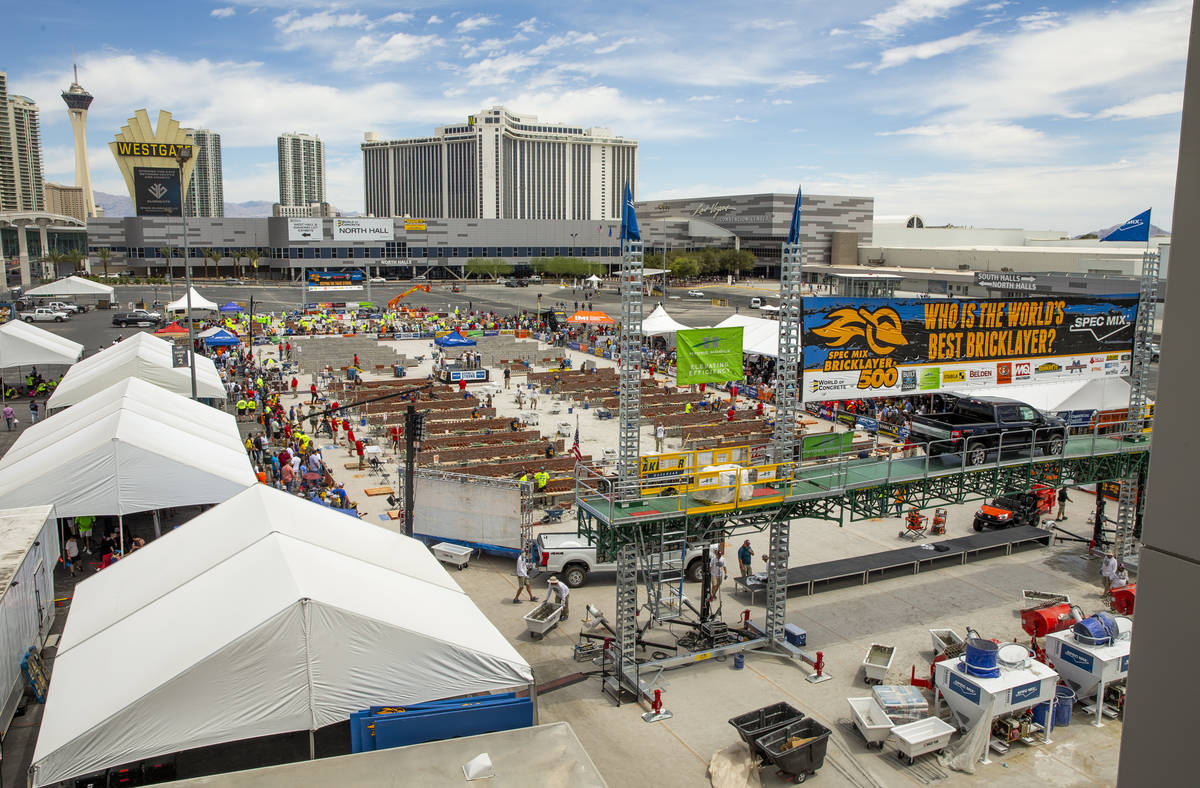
(157, 524)
(533, 696)
(312, 745)
(121, 532)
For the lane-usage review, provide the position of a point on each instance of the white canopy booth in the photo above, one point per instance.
(141, 356)
(72, 286)
(759, 335)
(199, 302)
(23, 345)
(659, 322)
(266, 615)
(1068, 396)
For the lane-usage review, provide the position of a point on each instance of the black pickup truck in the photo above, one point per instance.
(980, 425)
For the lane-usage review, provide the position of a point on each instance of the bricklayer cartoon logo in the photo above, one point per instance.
(880, 329)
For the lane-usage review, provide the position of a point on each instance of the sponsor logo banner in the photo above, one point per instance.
(961, 686)
(361, 229)
(331, 288)
(305, 230)
(709, 355)
(884, 347)
(1025, 693)
(156, 191)
(1076, 657)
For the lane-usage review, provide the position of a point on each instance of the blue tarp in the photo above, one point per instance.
(222, 339)
(231, 307)
(453, 339)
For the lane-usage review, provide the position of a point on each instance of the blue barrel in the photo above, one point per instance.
(1095, 631)
(1043, 716)
(1064, 701)
(981, 658)
(739, 661)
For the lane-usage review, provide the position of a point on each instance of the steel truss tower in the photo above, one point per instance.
(1139, 385)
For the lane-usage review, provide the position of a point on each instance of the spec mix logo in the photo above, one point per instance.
(880, 329)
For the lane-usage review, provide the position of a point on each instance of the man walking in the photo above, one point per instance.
(9, 415)
(1108, 571)
(660, 435)
(716, 572)
(72, 549)
(360, 450)
(523, 579)
(507, 374)
(33, 411)
(1062, 504)
(745, 556)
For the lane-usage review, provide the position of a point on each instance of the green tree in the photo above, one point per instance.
(75, 258)
(105, 254)
(53, 257)
(488, 266)
(213, 255)
(252, 258)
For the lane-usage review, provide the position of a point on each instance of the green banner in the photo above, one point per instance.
(709, 355)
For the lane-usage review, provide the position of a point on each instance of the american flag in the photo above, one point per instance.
(575, 446)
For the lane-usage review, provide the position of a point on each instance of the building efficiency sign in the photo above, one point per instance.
(878, 347)
(156, 191)
(305, 230)
(356, 229)
(709, 355)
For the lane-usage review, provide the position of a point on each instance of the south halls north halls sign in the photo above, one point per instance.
(148, 159)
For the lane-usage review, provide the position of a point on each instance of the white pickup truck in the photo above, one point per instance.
(63, 306)
(44, 315)
(573, 557)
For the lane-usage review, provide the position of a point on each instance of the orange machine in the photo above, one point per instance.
(395, 302)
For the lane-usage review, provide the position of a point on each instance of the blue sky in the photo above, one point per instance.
(992, 113)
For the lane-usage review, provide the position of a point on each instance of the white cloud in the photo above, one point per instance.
(570, 38)
(607, 107)
(1063, 71)
(1146, 107)
(740, 119)
(372, 50)
(778, 102)
(904, 13)
(703, 98)
(992, 8)
(530, 25)
(608, 49)
(765, 24)
(797, 79)
(473, 23)
(982, 141)
(434, 20)
(398, 18)
(1039, 20)
(222, 13)
(837, 31)
(293, 22)
(498, 70)
(899, 55)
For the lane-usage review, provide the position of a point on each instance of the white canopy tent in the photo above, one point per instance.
(268, 614)
(198, 302)
(141, 356)
(23, 345)
(659, 322)
(759, 335)
(73, 286)
(594, 279)
(131, 448)
(1100, 394)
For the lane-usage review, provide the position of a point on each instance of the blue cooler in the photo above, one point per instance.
(795, 635)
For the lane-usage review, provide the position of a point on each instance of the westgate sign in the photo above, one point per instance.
(163, 149)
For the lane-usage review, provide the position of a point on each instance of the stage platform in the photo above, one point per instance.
(905, 560)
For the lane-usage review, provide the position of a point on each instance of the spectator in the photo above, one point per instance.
(9, 416)
(660, 434)
(1062, 504)
(745, 556)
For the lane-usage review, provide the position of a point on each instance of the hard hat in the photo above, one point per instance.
(553, 579)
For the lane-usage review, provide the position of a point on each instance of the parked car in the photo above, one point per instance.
(572, 558)
(233, 280)
(1013, 509)
(755, 303)
(70, 309)
(44, 314)
(695, 294)
(978, 426)
(420, 278)
(138, 317)
(375, 280)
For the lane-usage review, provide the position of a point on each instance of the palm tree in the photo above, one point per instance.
(213, 254)
(75, 258)
(253, 256)
(104, 253)
(53, 257)
(166, 252)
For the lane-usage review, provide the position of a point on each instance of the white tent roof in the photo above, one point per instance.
(198, 302)
(23, 345)
(593, 278)
(659, 322)
(141, 356)
(72, 286)
(127, 449)
(265, 615)
(759, 335)
(1108, 393)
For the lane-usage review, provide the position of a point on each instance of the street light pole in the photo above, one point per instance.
(185, 153)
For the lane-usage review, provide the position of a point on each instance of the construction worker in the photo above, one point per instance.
(541, 478)
(561, 594)
(687, 408)
(241, 409)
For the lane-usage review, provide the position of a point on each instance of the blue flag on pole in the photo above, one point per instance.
(794, 230)
(629, 225)
(1136, 229)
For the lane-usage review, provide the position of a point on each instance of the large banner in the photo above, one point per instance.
(708, 355)
(363, 230)
(878, 347)
(304, 229)
(156, 191)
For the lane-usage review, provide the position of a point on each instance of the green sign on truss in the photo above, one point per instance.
(709, 355)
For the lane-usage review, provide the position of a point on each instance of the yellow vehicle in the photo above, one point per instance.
(672, 473)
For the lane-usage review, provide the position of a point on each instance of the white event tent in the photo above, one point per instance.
(199, 302)
(1100, 394)
(659, 322)
(72, 286)
(265, 615)
(759, 335)
(141, 356)
(23, 345)
(130, 448)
